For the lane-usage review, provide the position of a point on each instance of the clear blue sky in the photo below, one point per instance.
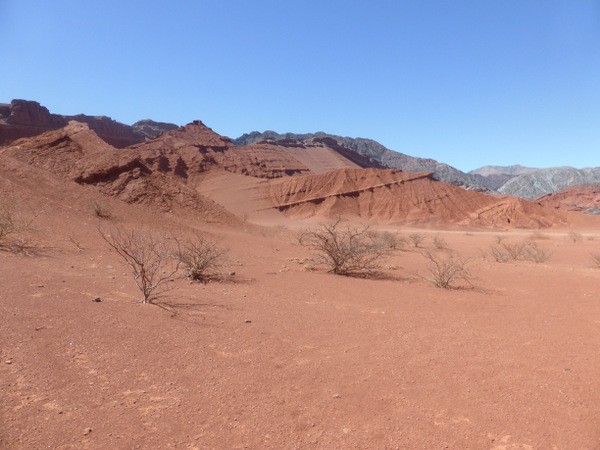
(468, 83)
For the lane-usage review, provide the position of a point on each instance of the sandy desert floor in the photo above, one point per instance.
(280, 357)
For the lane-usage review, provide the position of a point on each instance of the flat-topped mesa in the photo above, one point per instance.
(25, 118)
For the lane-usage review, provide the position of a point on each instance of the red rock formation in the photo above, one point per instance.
(193, 149)
(392, 196)
(24, 118)
(75, 153)
(583, 197)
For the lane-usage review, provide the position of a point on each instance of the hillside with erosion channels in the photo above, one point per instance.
(76, 154)
(23, 118)
(467, 323)
(393, 196)
(584, 198)
(373, 149)
(194, 166)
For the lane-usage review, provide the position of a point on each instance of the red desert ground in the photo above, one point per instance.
(275, 350)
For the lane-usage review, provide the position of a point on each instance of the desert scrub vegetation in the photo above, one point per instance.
(148, 256)
(392, 241)
(201, 257)
(439, 242)
(519, 251)
(345, 249)
(101, 211)
(416, 239)
(446, 269)
(12, 225)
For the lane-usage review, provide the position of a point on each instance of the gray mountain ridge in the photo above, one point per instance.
(373, 149)
(548, 181)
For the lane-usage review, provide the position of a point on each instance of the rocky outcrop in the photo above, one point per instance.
(583, 198)
(151, 129)
(195, 148)
(547, 181)
(76, 154)
(376, 151)
(393, 196)
(23, 118)
(496, 176)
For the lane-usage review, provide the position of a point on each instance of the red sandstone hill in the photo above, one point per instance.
(195, 148)
(23, 118)
(76, 154)
(186, 167)
(583, 197)
(393, 196)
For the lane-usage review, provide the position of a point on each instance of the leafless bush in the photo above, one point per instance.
(596, 259)
(535, 253)
(148, 256)
(447, 269)
(393, 241)
(575, 237)
(514, 250)
(416, 239)
(499, 254)
(10, 223)
(101, 211)
(12, 226)
(499, 239)
(439, 242)
(345, 249)
(520, 251)
(201, 257)
(300, 235)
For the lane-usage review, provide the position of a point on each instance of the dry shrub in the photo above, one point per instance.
(201, 257)
(148, 256)
(515, 251)
(446, 269)
(345, 249)
(393, 241)
(416, 239)
(575, 237)
(499, 254)
(101, 211)
(499, 239)
(439, 242)
(519, 251)
(535, 253)
(300, 236)
(11, 223)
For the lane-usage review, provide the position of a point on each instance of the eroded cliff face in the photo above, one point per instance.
(24, 118)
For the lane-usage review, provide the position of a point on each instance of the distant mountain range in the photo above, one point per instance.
(23, 118)
(516, 180)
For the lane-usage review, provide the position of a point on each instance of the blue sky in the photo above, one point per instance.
(468, 83)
